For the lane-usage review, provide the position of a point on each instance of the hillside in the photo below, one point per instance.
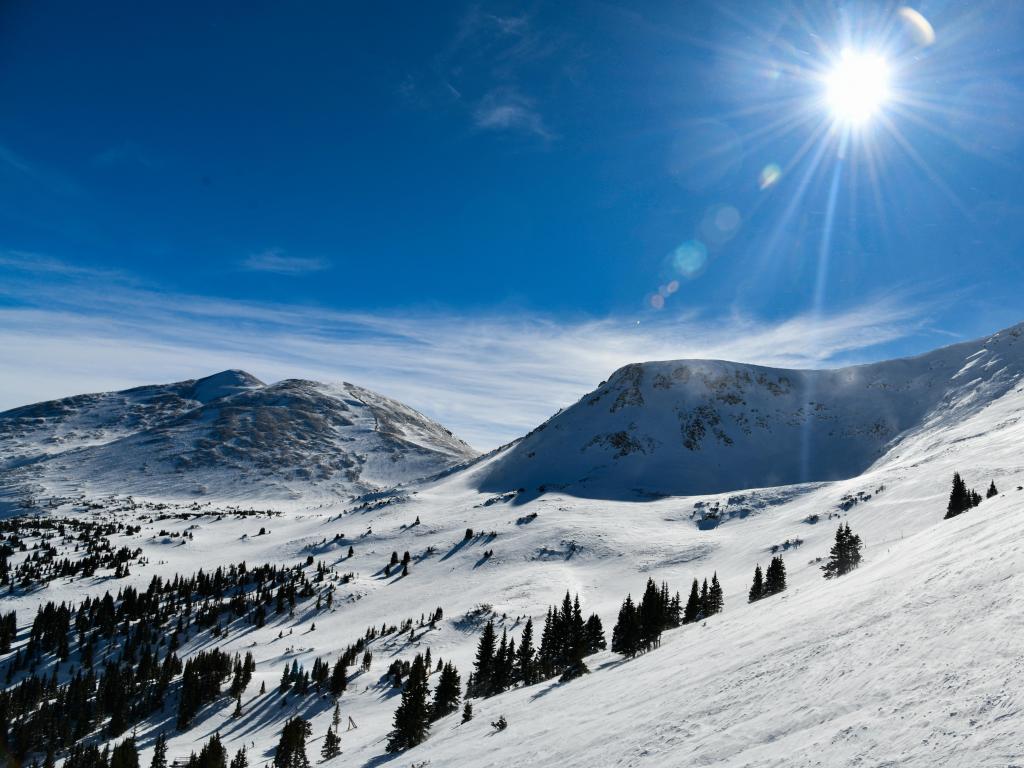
(706, 426)
(912, 659)
(227, 435)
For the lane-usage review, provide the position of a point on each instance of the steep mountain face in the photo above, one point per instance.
(227, 435)
(707, 426)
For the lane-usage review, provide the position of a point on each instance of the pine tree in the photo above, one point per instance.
(844, 555)
(626, 633)
(447, 693)
(159, 752)
(704, 613)
(595, 635)
(336, 716)
(692, 611)
(757, 588)
(959, 497)
(291, 748)
(332, 745)
(527, 671)
(467, 712)
(775, 580)
(125, 755)
(499, 669)
(716, 600)
(339, 677)
(651, 615)
(241, 759)
(484, 665)
(412, 718)
(991, 490)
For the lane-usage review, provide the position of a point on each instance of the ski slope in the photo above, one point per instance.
(914, 659)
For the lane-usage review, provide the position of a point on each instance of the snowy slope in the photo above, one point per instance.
(707, 426)
(228, 435)
(914, 659)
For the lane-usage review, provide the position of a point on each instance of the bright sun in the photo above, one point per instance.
(857, 86)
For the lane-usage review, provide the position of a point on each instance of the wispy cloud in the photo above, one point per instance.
(505, 109)
(489, 377)
(282, 264)
(496, 69)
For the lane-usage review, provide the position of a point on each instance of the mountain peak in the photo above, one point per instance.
(223, 384)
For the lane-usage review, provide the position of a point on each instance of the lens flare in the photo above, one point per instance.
(770, 174)
(689, 258)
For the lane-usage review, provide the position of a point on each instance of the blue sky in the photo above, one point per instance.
(504, 200)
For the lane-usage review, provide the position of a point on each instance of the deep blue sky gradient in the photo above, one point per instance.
(473, 156)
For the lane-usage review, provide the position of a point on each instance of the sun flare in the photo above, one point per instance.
(857, 87)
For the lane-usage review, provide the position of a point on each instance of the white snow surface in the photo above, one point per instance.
(225, 436)
(915, 659)
(708, 426)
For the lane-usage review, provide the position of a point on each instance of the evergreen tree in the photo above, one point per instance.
(959, 497)
(291, 748)
(159, 752)
(467, 712)
(626, 636)
(212, 755)
(844, 555)
(447, 693)
(757, 588)
(775, 579)
(241, 759)
(527, 671)
(332, 745)
(991, 490)
(703, 600)
(125, 755)
(500, 669)
(484, 665)
(339, 677)
(692, 611)
(595, 635)
(412, 718)
(716, 600)
(651, 616)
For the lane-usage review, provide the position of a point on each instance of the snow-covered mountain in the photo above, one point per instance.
(707, 426)
(228, 435)
(913, 659)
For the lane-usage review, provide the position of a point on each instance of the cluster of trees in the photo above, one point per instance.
(416, 711)
(703, 601)
(770, 583)
(126, 755)
(566, 640)
(87, 541)
(122, 653)
(291, 747)
(639, 627)
(844, 555)
(962, 498)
